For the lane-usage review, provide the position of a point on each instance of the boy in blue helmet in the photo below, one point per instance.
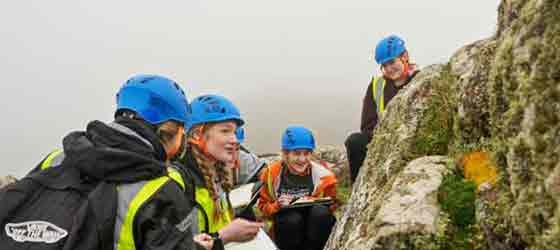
(296, 177)
(134, 200)
(397, 71)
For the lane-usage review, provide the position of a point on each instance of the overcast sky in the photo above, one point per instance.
(282, 62)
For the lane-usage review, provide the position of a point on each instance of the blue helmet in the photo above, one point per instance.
(297, 137)
(154, 98)
(240, 134)
(213, 108)
(388, 49)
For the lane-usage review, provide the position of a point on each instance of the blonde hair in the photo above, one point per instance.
(210, 168)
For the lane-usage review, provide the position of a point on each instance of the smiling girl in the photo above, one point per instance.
(211, 148)
(295, 177)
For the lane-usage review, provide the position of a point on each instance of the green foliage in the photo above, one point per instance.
(436, 128)
(457, 199)
(434, 138)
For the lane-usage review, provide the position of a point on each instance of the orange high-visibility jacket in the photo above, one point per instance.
(324, 183)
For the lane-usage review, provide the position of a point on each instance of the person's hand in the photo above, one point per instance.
(204, 240)
(240, 230)
(285, 199)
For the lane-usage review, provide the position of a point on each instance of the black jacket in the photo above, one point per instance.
(126, 152)
(369, 107)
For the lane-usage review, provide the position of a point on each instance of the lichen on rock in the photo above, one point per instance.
(500, 95)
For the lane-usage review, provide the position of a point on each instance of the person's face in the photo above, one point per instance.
(299, 159)
(221, 141)
(393, 69)
(172, 147)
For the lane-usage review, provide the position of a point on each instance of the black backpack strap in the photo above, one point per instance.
(94, 223)
(104, 205)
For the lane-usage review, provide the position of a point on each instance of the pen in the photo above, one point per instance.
(294, 200)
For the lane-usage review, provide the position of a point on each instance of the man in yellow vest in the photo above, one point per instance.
(392, 56)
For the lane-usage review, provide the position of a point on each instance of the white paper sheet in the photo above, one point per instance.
(260, 242)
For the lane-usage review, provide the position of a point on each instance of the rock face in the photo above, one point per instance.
(499, 95)
(411, 205)
(416, 123)
(524, 87)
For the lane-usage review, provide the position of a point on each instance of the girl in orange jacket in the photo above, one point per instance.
(297, 177)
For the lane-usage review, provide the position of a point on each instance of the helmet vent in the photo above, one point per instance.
(146, 80)
(155, 101)
(205, 98)
(290, 136)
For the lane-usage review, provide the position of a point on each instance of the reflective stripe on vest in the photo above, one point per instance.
(270, 185)
(378, 88)
(139, 193)
(53, 159)
(204, 199)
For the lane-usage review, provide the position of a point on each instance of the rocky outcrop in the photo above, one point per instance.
(416, 123)
(524, 87)
(499, 95)
(411, 206)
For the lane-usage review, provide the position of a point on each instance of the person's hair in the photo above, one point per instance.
(219, 167)
(165, 131)
(205, 165)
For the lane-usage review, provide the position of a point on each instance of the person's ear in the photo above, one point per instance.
(197, 133)
(404, 56)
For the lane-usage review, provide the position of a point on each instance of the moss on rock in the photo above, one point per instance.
(500, 95)
(457, 198)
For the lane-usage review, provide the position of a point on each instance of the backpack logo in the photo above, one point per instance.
(35, 231)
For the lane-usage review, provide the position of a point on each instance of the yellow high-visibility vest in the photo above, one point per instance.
(206, 214)
(378, 87)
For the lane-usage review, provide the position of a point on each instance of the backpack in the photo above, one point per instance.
(58, 209)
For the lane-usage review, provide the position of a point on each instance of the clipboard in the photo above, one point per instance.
(241, 196)
(306, 202)
(243, 206)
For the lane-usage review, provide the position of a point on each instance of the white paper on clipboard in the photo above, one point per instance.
(241, 196)
(260, 242)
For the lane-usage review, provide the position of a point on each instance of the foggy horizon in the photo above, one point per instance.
(281, 62)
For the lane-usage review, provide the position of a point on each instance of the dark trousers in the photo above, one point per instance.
(303, 228)
(356, 150)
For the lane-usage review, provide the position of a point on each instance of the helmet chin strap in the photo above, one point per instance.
(405, 70)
